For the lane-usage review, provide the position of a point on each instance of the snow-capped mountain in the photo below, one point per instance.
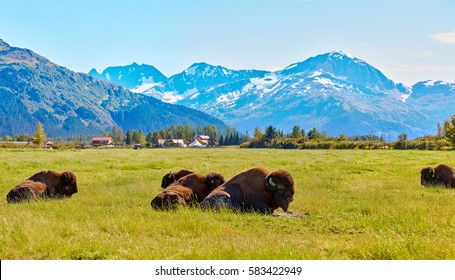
(191, 85)
(436, 99)
(333, 92)
(135, 77)
(349, 69)
(32, 89)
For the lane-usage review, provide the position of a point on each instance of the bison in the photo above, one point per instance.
(171, 177)
(190, 189)
(440, 175)
(427, 176)
(255, 189)
(44, 184)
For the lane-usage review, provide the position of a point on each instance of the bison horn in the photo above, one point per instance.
(271, 182)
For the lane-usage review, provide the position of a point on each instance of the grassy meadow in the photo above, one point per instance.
(354, 204)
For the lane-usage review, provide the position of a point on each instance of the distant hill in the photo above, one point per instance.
(333, 92)
(33, 89)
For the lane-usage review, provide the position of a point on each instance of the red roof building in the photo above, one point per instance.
(99, 141)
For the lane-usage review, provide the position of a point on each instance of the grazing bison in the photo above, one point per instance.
(191, 189)
(427, 177)
(254, 190)
(440, 175)
(172, 177)
(45, 184)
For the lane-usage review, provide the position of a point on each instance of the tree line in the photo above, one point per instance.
(314, 139)
(271, 137)
(230, 137)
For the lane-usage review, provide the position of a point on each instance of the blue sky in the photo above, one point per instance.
(408, 41)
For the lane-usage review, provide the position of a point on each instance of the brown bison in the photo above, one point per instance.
(45, 184)
(172, 177)
(191, 189)
(254, 190)
(440, 175)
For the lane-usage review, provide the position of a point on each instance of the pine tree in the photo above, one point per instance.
(229, 140)
(129, 137)
(257, 133)
(156, 136)
(314, 134)
(270, 134)
(449, 129)
(40, 136)
(141, 137)
(149, 137)
(221, 142)
(117, 135)
(296, 132)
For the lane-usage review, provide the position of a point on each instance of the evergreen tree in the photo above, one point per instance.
(270, 134)
(135, 138)
(156, 136)
(236, 139)
(257, 133)
(296, 132)
(117, 135)
(221, 142)
(141, 138)
(313, 134)
(229, 140)
(449, 129)
(129, 137)
(149, 137)
(40, 136)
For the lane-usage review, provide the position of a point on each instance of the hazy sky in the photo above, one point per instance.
(408, 40)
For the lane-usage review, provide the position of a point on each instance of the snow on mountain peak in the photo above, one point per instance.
(430, 83)
(203, 69)
(337, 54)
(328, 89)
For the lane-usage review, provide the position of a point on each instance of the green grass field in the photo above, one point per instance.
(354, 204)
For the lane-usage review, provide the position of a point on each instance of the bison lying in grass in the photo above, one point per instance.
(171, 177)
(440, 175)
(255, 189)
(190, 189)
(45, 184)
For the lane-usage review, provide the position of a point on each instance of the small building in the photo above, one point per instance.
(49, 144)
(171, 143)
(101, 141)
(201, 141)
(204, 138)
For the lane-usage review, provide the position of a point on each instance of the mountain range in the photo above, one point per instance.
(67, 103)
(333, 92)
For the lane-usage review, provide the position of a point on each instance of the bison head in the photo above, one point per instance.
(281, 185)
(213, 180)
(427, 176)
(68, 184)
(167, 180)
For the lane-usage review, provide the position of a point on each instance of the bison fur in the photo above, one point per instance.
(171, 177)
(440, 175)
(190, 189)
(44, 184)
(255, 189)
